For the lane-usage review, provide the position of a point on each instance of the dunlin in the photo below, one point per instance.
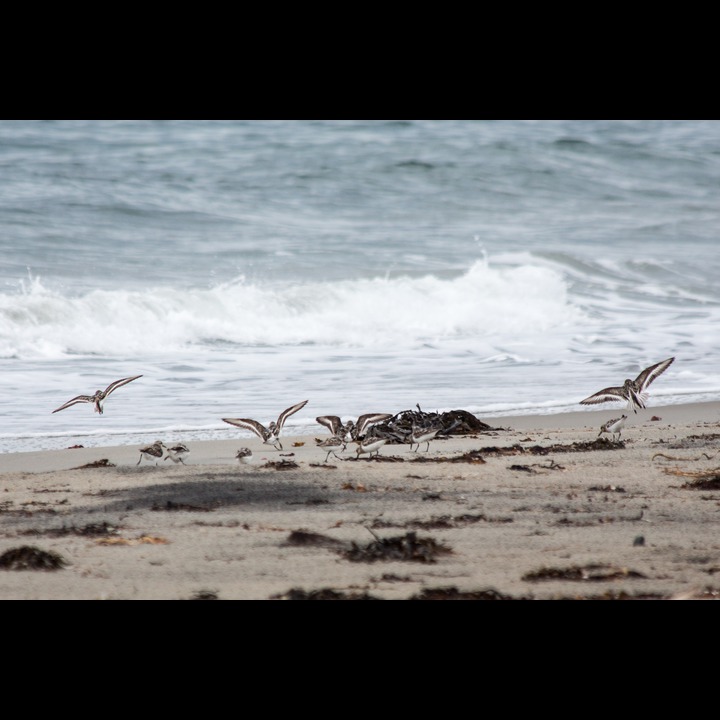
(365, 422)
(332, 445)
(335, 425)
(176, 453)
(370, 446)
(244, 455)
(99, 397)
(423, 435)
(152, 452)
(270, 435)
(634, 391)
(614, 426)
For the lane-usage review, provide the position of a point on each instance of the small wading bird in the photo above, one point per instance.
(334, 424)
(152, 452)
(634, 391)
(332, 445)
(176, 452)
(244, 455)
(370, 446)
(351, 430)
(99, 397)
(270, 435)
(422, 435)
(614, 427)
(360, 429)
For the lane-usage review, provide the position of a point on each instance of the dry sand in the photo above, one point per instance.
(466, 519)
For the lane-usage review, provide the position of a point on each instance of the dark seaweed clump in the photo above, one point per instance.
(403, 547)
(593, 572)
(322, 594)
(29, 557)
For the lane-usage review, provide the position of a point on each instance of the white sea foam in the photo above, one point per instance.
(484, 303)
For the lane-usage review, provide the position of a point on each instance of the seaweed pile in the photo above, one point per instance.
(453, 422)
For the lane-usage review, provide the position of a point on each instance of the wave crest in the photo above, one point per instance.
(403, 311)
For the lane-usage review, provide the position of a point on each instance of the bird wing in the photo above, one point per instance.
(605, 395)
(260, 430)
(328, 442)
(607, 427)
(428, 434)
(649, 374)
(155, 450)
(115, 385)
(371, 443)
(75, 401)
(331, 422)
(285, 414)
(368, 419)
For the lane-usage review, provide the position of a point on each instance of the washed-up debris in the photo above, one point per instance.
(142, 540)
(582, 573)
(91, 530)
(306, 538)
(404, 547)
(29, 557)
(452, 593)
(474, 457)
(322, 594)
(280, 465)
(700, 480)
(399, 427)
(97, 464)
(171, 505)
(443, 522)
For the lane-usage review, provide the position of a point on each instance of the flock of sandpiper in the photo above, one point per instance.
(364, 432)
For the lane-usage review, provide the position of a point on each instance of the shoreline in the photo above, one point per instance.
(215, 451)
(537, 508)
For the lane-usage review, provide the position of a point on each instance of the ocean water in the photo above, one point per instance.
(241, 266)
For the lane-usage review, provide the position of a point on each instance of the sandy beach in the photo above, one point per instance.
(537, 508)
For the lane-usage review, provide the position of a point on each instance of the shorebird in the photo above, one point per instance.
(176, 452)
(270, 435)
(332, 445)
(359, 429)
(99, 397)
(370, 446)
(422, 435)
(634, 391)
(614, 426)
(152, 452)
(335, 425)
(244, 455)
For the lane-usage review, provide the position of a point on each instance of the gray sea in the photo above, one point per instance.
(240, 266)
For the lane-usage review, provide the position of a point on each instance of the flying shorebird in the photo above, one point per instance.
(351, 430)
(152, 452)
(634, 391)
(270, 435)
(99, 397)
(359, 429)
(176, 452)
(335, 425)
(614, 426)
